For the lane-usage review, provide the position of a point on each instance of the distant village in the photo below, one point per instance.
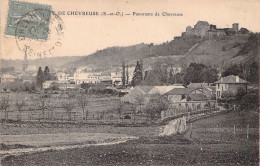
(125, 81)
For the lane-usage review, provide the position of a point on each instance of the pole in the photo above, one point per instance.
(234, 131)
(247, 131)
(190, 130)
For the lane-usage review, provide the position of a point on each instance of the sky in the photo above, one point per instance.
(83, 35)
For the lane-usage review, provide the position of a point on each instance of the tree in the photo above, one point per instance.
(193, 73)
(232, 70)
(139, 101)
(4, 104)
(156, 105)
(209, 75)
(20, 103)
(196, 73)
(250, 101)
(123, 74)
(151, 79)
(127, 75)
(138, 74)
(178, 78)
(119, 110)
(82, 101)
(42, 104)
(47, 76)
(241, 92)
(69, 106)
(171, 77)
(243, 31)
(40, 77)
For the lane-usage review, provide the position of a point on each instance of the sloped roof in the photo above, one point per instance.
(197, 85)
(176, 98)
(145, 89)
(198, 97)
(180, 91)
(163, 89)
(211, 88)
(231, 79)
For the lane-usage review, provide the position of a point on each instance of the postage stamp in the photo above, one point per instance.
(37, 29)
(33, 17)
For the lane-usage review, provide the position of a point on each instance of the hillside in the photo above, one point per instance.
(51, 62)
(223, 53)
(215, 52)
(239, 48)
(115, 55)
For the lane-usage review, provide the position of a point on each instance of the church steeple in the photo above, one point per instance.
(25, 61)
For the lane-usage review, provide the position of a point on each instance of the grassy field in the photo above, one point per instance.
(212, 142)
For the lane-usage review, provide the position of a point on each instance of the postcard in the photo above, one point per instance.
(111, 82)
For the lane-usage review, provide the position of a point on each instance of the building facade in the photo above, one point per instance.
(229, 84)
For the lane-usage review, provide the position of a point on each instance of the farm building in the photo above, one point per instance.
(137, 91)
(163, 89)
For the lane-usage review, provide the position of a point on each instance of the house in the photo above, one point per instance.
(62, 85)
(184, 100)
(8, 78)
(86, 75)
(136, 92)
(116, 78)
(48, 84)
(207, 88)
(62, 76)
(163, 89)
(229, 84)
(181, 94)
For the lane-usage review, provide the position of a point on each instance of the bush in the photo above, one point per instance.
(250, 101)
(240, 94)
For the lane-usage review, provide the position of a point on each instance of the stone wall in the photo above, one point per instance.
(174, 127)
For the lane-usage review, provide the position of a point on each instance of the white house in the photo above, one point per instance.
(229, 84)
(116, 77)
(8, 78)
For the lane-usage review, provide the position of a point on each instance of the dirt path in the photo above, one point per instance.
(207, 148)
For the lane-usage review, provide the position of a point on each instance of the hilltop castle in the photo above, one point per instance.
(204, 29)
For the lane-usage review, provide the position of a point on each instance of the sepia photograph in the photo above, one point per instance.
(110, 82)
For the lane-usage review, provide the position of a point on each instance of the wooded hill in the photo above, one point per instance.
(216, 52)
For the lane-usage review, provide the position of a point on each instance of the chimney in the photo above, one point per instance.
(221, 79)
(237, 79)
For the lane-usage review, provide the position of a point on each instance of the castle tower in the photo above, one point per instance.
(235, 27)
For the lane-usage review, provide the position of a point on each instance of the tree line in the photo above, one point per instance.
(165, 75)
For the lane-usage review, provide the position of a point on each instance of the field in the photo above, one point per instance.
(211, 142)
(98, 109)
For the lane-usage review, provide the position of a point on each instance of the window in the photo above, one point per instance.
(218, 93)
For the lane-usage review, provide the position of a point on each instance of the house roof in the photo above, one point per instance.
(211, 88)
(163, 89)
(197, 85)
(176, 98)
(145, 89)
(198, 97)
(180, 91)
(231, 79)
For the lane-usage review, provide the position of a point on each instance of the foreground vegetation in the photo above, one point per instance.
(205, 148)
